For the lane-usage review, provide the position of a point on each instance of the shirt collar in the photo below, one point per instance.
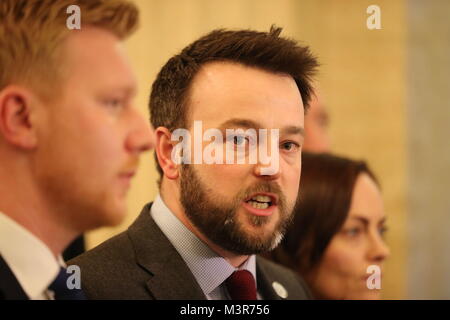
(209, 269)
(29, 258)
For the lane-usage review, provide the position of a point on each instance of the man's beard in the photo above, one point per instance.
(217, 218)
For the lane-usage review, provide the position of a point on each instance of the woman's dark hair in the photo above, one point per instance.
(326, 188)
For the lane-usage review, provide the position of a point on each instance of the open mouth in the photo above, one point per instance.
(262, 201)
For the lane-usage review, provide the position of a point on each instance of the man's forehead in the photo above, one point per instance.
(224, 89)
(85, 41)
(224, 75)
(99, 53)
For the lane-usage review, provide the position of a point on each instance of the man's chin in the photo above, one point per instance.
(116, 216)
(262, 237)
(258, 224)
(108, 216)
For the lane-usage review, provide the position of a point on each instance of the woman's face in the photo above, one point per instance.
(342, 272)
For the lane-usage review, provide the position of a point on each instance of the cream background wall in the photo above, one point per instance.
(363, 78)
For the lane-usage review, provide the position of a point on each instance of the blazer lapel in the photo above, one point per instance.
(170, 277)
(265, 283)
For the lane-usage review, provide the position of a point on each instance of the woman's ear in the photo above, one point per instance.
(16, 125)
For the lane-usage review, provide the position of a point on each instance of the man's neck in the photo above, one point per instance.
(22, 202)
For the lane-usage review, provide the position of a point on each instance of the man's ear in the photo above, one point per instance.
(15, 117)
(163, 148)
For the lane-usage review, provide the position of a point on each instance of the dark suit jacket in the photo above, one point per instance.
(10, 289)
(141, 263)
(74, 249)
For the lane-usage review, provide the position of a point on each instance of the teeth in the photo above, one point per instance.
(258, 205)
(261, 198)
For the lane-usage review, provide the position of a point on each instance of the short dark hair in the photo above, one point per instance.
(323, 204)
(264, 50)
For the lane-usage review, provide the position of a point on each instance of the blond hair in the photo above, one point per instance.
(32, 33)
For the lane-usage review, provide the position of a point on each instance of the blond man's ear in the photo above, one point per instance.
(16, 117)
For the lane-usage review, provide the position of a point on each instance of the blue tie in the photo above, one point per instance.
(61, 290)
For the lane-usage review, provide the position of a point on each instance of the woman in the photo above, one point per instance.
(338, 228)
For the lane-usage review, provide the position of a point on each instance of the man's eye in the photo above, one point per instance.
(323, 122)
(114, 103)
(289, 146)
(383, 231)
(239, 140)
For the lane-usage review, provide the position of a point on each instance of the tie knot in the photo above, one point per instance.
(62, 290)
(241, 285)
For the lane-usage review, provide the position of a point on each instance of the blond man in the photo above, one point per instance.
(70, 137)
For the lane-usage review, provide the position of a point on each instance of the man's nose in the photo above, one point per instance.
(267, 171)
(141, 137)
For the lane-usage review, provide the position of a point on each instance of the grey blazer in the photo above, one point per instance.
(141, 263)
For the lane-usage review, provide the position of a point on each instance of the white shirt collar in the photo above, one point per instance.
(209, 269)
(29, 258)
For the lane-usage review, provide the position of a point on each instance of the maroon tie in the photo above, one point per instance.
(241, 285)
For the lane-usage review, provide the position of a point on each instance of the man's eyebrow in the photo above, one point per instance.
(244, 123)
(247, 123)
(130, 91)
(292, 130)
(122, 89)
(383, 220)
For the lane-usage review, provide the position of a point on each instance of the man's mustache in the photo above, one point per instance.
(131, 165)
(269, 187)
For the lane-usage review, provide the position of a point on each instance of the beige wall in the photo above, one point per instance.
(363, 79)
(429, 152)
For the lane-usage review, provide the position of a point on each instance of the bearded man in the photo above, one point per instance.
(200, 238)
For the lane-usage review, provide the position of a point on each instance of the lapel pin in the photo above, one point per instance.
(279, 289)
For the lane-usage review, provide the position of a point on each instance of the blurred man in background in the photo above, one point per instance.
(70, 138)
(317, 121)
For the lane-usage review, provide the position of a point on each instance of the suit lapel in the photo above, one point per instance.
(170, 277)
(10, 289)
(264, 282)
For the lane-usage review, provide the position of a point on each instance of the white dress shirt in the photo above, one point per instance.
(209, 269)
(31, 261)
